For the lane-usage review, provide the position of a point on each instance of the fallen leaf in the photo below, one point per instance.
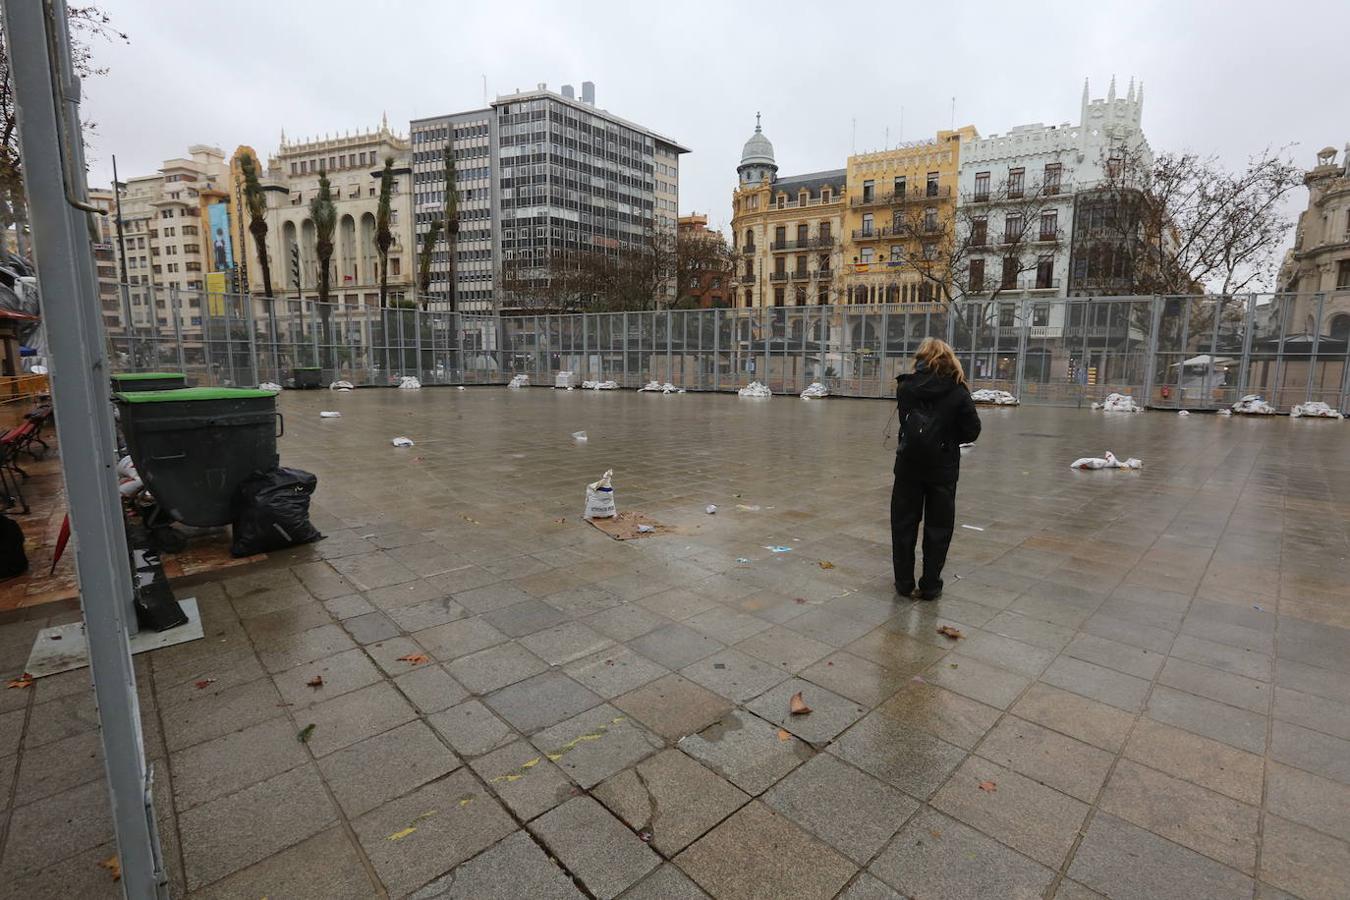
(988, 787)
(205, 682)
(826, 564)
(935, 832)
(797, 706)
(801, 600)
(645, 837)
(950, 631)
(23, 681)
(783, 735)
(114, 866)
(306, 733)
(952, 665)
(415, 659)
(315, 682)
(561, 521)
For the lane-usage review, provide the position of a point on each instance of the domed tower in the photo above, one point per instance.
(757, 165)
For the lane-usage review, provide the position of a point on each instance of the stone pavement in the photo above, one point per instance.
(1150, 697)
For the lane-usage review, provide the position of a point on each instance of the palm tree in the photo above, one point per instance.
(424, 262)
(383, 236)
(324, 213)
(256, 202)
(451, 216)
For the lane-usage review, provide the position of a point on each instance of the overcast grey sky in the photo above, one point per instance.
(1228, 78)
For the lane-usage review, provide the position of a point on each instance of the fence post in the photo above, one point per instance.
(1151, 364)
(717, 355)
(1023, 337)
(1248, 330)
(1317, 340)
(177, 330)
(625, 346)
(249, 323)
(1279, 350)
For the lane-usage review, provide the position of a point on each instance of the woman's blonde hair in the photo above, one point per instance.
(940, 359)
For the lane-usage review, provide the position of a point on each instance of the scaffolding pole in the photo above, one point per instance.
(54, 174)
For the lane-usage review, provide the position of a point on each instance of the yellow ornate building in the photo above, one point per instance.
(831, 237)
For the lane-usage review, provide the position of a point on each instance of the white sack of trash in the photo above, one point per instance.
(656, 387)
(409, 383)
(996, 398)
(815, 391)
(600, 385)
(1315, 409)
(519, 381)
(1118, 403)
(1253, 405)
(341, 386)
(755, 390)
(269, 386)
(1109, 461)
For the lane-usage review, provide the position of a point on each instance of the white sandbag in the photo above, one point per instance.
(580, 437)
(1316, 409)
(1253, 405)
(330, 414)
(270, 386)
(995, 398)
(600, 385)
(1226, 413)
(1118, 403)
(519, 381)
(460, 388)
(710, 509)
(409, 383)
(341, 386)
(402, 442)
(1182, 412)
(815, 391)
(600, 498)
(1109, 461)
(656, 387)
(756, 391)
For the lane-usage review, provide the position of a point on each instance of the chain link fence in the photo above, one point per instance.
(1196, 352)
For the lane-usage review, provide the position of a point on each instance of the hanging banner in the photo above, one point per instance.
(222, 247)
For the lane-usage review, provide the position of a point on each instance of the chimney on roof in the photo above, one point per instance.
(543, 85)
(568, 92)
(588, 93)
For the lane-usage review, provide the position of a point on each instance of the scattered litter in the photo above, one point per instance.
(800, 601)
(402, 442)
(950, 631)
(269, 386)
(404, 832)
(600, 385)
(1314, 410)
(470, 519)
(460, 388)
(55, 637)
(341, 386)
(330, 414)
(973, 527)
(1226, 413)
(1258, 607)
(628, 526)
(783, 735)
(519, 381)
(742, 561)
(815, 391)
(580, 437)
(114, 867)
(645, 837)
(755, 390)
(560, 521)
(23, 681)
(204, 683)
(306, 733)
(745, 508)
(825, 564)
(797, 706)
(711, 509)
(600, 498)
(409, 383)
(1183, 412)
(778, 549)
(995, 398)
(988, 787)
(957, 577)
(719, 665)
(1106, 462)
(965, 448)
(1253, 405)
(919, 679)
(315, 682)
(1118, 403)
(414, 659)
(656, 387)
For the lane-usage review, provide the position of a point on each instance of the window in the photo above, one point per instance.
(779, 236)
(867, 255)
(801, 266)
(869, 191)
(749, 240)
(295, 168)
(1011, 267)
(1016, 182)
(1343, 275)
(930, 222)
(778, 296)
(1007, 315)
(825, 195)
(899, 188)
(1113, 167)
(867, 225)
(931, 189)
(394, 266)
(976, 276)
(1045, 272)
(981, 186)
(823, 264)
(929, 250)
(779, 266)
(895, 253)
(1012, 229)
(803, 235)
(979, 231)
(1053, 173)
(825, 233)
(802, 197)
(1049, 225)
(1040, 314)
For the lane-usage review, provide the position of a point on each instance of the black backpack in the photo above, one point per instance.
(923, 438)
(13, 559)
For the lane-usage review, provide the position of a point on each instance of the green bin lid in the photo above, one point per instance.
(189, 394)
(146, 376)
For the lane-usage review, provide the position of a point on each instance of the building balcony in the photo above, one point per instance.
(748, 250)
(746, 279)
(798, 204)
(874, 200)
(1024, 285)
(817, 243)
(800, 275)
(778, 276)
(936, 192)
(864, 234)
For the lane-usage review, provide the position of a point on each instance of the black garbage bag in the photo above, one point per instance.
(13, 559)
(271, 511)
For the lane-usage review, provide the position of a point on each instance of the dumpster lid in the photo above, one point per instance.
(187, 394)
(145, 376)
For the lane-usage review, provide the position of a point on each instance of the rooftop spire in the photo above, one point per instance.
(757, 129)
(1111, 93)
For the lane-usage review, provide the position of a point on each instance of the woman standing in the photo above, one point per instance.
(937, 416)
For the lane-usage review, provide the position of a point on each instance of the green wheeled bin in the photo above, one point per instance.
(307, 376)
(149, 381)
(193, 446)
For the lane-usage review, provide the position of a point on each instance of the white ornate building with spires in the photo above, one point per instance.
(353, 162)
(1061, 161)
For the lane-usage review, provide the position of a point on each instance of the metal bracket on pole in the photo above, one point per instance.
(46, 98)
